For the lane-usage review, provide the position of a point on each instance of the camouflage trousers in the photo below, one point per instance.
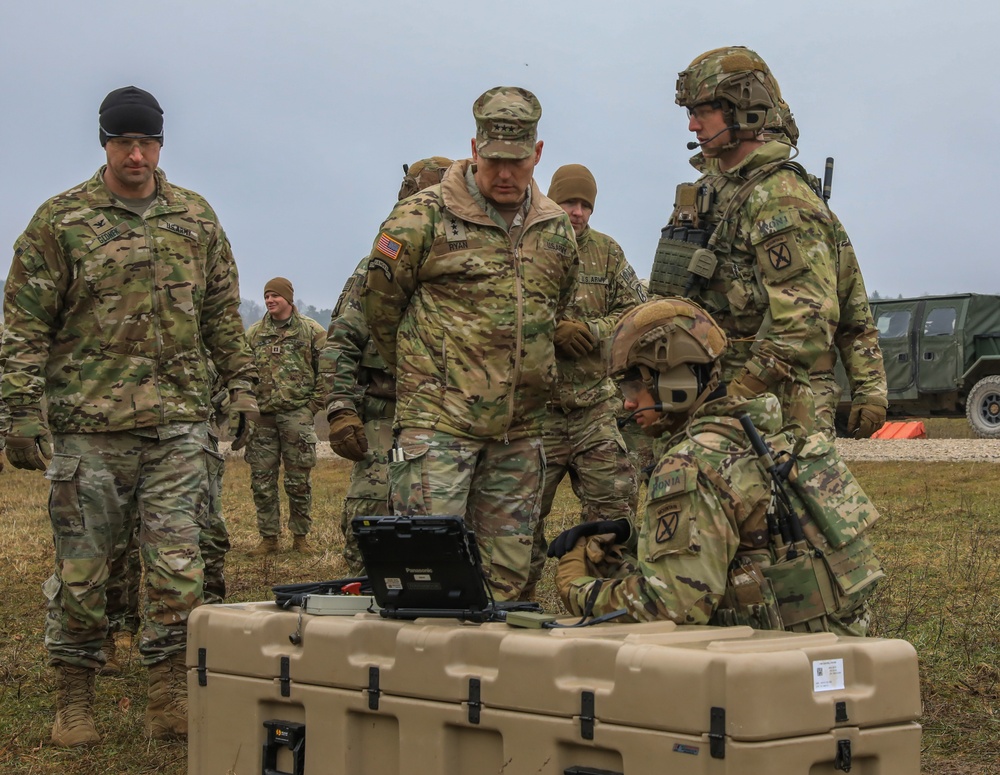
(368, 493)
(496, 486)
(102, 483)
(287, 438)
(586, 445)
(826, 396)
(125, 577)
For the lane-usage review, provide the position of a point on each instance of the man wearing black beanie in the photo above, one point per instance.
(121, 291)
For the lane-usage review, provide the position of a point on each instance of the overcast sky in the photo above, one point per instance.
(293, 118)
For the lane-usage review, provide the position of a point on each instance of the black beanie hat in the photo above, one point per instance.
(130, 109)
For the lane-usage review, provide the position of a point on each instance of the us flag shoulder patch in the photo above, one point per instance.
(388, 247)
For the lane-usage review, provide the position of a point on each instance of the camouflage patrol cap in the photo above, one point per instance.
(423, 174)
(506, 122)
(733, 73)
(665, 333)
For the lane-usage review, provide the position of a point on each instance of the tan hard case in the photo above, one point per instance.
(361, 694)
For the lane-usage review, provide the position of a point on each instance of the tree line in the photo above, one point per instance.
(251, 311)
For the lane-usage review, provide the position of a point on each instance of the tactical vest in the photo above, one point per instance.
(832, 575)
(691, 255)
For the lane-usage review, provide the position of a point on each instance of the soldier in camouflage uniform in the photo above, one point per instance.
(4, 412)
(362, 398)
(751, 240)
(286, 347)
(714, 546)
(117, 289)
(856, 338)
(581, 435)
(125, 576)
(465, 283)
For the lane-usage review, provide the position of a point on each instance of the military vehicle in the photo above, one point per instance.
(942, 358)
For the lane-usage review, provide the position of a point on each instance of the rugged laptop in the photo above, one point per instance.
(427, 566)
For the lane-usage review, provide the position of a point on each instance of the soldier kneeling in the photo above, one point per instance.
(770, 535)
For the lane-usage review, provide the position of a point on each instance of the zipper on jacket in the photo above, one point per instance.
(153, 263)
(518, 334)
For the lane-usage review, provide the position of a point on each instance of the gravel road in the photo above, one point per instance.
(947, 450)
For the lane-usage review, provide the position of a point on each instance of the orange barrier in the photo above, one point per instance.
(901, 430)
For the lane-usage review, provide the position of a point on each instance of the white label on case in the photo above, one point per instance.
(393, 583)
(828, 675)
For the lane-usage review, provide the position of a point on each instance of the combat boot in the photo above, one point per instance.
(267, 545)
(111, 665)
(74, 723)
(301, 544)
(166, 710)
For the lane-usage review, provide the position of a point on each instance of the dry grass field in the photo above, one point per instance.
(939, 540)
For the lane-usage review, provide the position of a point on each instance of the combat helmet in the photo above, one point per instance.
(422, 174)
(782, 126)
(736, 78)
(674, 347)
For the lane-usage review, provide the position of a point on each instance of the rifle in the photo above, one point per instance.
(785, 522)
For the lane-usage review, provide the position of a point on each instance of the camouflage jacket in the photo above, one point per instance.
(4, 411)
(109, 314)
(856, 338)
(352, 368)
(287, 357)
(608, 288)
(707, 503)
(464, 315)
(775, 289)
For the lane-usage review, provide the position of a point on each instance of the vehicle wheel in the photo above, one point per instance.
(982, 407)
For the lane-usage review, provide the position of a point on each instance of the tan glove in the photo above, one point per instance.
(572, 566)
(865, 419)
(573, 338)
(746, 385)
(244, 414)
(347, 435)
(28, 443)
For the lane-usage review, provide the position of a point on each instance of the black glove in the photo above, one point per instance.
(567, 539)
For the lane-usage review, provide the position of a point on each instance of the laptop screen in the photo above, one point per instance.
(422, 566)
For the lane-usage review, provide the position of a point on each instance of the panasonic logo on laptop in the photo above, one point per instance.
(420, 570)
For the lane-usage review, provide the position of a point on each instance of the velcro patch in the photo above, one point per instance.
(666, 525)
(177, 229)
(378, 263)
(454, 231)
(776, 224)
(668, 528)
(388, 247)
(780, 258)
(672, 482)
(99, 224)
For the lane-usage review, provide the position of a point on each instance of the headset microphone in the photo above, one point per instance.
(693, 144)
(624, 420)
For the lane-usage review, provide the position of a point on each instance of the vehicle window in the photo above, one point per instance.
(940, 322)
(893, 324)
